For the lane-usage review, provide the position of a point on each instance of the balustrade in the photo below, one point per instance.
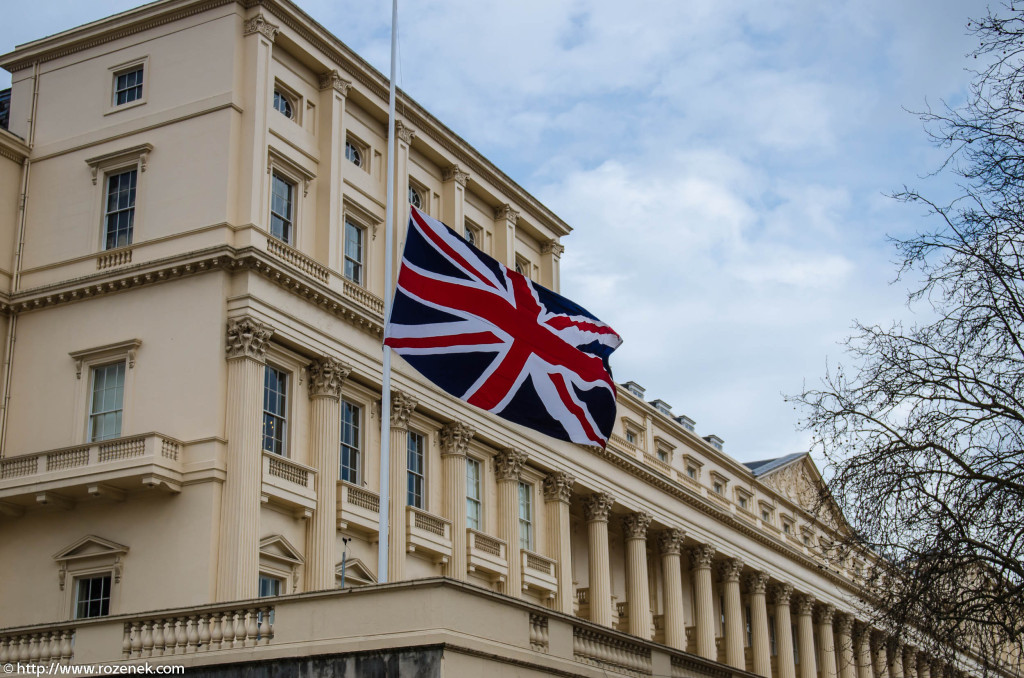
(185, 634)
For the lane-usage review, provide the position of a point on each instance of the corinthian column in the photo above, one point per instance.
(701, 558)
(596, 508)
(730, 571)
(634, 526)
(557, 495)
(910, 662)
(844, 634)
(325, 379)
(402, 406)
(924, 666)
(670, 544)
(508, 464)
(896, 661)
(863, 642)
(455, 437)
(238, 555)
(881, 658)
(805, 636)
(784, 631)
(760, 644)
(826, 641)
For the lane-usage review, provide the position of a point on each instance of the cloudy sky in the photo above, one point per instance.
(724, 164)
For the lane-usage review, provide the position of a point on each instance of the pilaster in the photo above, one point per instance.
(403, 142)
(596, 509)
(701, 558)
(784, 631)
(557, 497)
(670, 545)
(634, 527)
(455, 438)
(402, 406)
(257, 94)
(757, 584)
(551, 256)
(329, 234)
(508, 464)
(453, 198)
(505, 218)
(730, 571)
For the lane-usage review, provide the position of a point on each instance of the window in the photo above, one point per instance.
(128, 86)
(526, 516)
(350, 442)
(414, 198)
(354, 252)
(630, 437)
(771, 636)
(269, 586)
(281, 207)
(662, 455)
(766, 516)
(353, 154)
(107, 405)
(474, 506)
(691, 472)
(275, 409)
(522, 266)
(721, 613)
(119, 213)
(796, 645)
(750, 637)
(92, 596)
(718, 488)
(743, 503)
(414, 464)
(283, 104)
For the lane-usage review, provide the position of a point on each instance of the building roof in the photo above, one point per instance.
(759, 468)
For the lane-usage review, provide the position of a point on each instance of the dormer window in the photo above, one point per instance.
(635, 389)
(662, 407)
(715, 442)
(687, 423)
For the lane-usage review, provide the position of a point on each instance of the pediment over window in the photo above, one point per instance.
(90, 546)
(356, 573)
(279, 549)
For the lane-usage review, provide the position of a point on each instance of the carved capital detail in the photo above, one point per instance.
(757, 583)
(259, 24)
(635, 525)
(506, 212)
(597, 506)
(782, 593)
(670, 541)
(455, 173)
(455, 437)
(404, 132)
(402, 405)
(508, 464)
(558, 486)
(553, 247)
(247, 338)
(702, 556)
(730, 569)
(844, 624)
(333, 79)
(824, 614)
(804, 604)
(326, 376)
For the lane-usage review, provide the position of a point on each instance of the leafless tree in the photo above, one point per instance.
(923, 429)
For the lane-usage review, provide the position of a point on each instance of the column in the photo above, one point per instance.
(402, 406)
(634, 526)
(257, 96)
(784, 631)
(329, 234)
(505, 219)
(863, 641)
(508, 464)
(730, 571)
(596, 508)
(924, 666)
(453, 198)
(701, 558)
(403, 141)
(455, 437)
(325, 379)
(826, 641)
(881, 658)
(760, 643)
(896, 661)
(844, 636)
(910, 662)
(238, 554)
(670, 545)
(805, 636)
(557, 496)
(551, 255)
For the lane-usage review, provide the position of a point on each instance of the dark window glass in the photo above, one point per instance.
(350, 442)
(275, 404)
(128, 87)
(119, 215)
(414, 494)
(92, 597)
(281, 208)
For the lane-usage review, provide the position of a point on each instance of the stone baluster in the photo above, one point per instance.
(508, 464)
(455, 438)
(670, 545)
(784, 631)
(557, 496)
(596, 509)
(760, 643)
(634, 527)
(730, 570)
(216, 631)
(204, 631)
(701, 559)
(158, 638)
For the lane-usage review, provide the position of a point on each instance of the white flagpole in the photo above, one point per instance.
(385, 401)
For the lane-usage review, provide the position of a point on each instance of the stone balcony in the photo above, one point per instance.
(109, 470)
(428, 534)
(539, 574)
(486, 555)
(288, 484)
(358, 509)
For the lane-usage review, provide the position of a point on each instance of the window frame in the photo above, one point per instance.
(93, 372)
(80, 579)
(288, 234)
(527, 539)
(90, 557)
(294, 99)
(361, 263)
(293, 173)
(360, 147)
(133, 191)
(123, 68)
(418, 190)
(285, 417)
(85, 360)
(479, 499)
(357, 448)
(410, 475)
(106, 166)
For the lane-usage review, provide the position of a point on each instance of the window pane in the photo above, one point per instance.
(526, 516)
(350, 442)
(128, 87)
(275, 410)
(281, 208)
(353, 253)
(92, 597)
(414, 464)
(107, 402)
(473, 505)
(119, 214)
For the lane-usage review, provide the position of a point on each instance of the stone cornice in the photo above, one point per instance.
(12, 147)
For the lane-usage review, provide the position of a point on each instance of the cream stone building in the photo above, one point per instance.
(191, 279)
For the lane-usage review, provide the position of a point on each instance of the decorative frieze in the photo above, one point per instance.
(670, 541)
(455, 437)
(702, 556)
(558, 486)
(730, 569)
(757, 582)
(404, 132)
(333, 79)
(402, 406)
(456, 174)
(507, 212)
(247, 338)
(635, 525)
(782, 593)
(508, 464)
(326, 377)
(597, 506)
(259, 24)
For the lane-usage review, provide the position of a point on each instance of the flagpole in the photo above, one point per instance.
(385, 401)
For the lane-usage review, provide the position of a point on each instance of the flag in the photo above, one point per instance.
(494, 338)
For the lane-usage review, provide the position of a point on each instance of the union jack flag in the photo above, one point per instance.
(494, 338)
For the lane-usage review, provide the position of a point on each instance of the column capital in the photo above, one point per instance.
(404, 132)
(507, 212)
(333, 79)
(701, 556)
(909, 655)
(552, 247)
(804, 604)
(558, 486)
(824, 614)
(326, 376)
(456, 174)
(782, 593)
(597, 506)
(508, 464)
(670, 541)
(259, 24)
(402, 406)
(730, 569)
(635, 525)
(757, 582)
(455, 437)
(247, 338)
(844, 623)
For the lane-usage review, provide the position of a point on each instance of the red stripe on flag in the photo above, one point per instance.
(470, 339)
(576, 410)
(439, 242)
